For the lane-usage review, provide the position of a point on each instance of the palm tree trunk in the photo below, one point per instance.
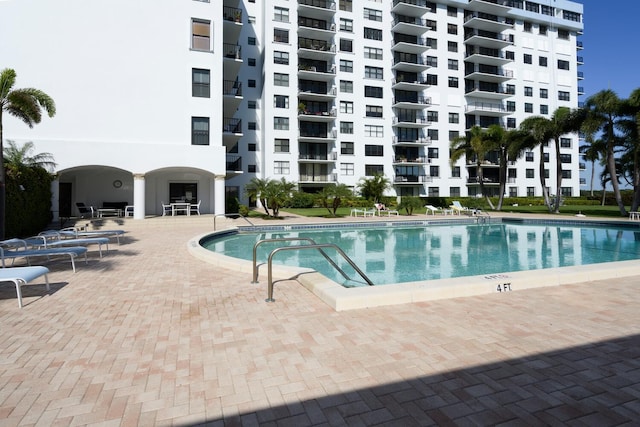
(502, 178)
(543, 183)
(593, 174)
(611, 166)
(3, 180)
(556, 208)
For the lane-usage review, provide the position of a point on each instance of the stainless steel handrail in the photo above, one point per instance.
(230, 215)
(316, 246)
(290, 239)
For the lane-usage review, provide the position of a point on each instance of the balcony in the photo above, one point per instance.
(327, 179)
(409, 7)
(496, 7)
(411, 179)
(417, 83)
(580, 75)
(316, 71)
(486, 56)
(232, 125)
(315, 49)
(485, 21)
(488, 39)
(580, 60)
(411, 121)
(580, 90)
(409, 62)
(234, 163)
(488, 73)
(412, 102)
(489, 91)
(582, 166)
(318, 158)
(232, 54)
(321, 9)
(409, 25)
(404, 160)
(304, 136)
(316, 92)
(421, 141)
(487, 109)
(317, 115)
(232, 23)
(315, 28)
(232, 92)
(579, 45)
(409, 44)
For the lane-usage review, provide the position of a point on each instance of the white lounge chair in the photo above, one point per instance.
(363, 212)
(379, 207)
(81, 233)
(22, 275)
(458, 208)
(166, 209)
(432, 210)
(53, 238)
(22, 251)
(195, 207)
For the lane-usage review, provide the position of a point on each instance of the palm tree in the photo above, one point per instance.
(16, 157)
(477, 143)
(562, 121)
(593, 151)
(539, 129)
(256, 189)
(632, 128)
(332, 195)
(26, 105)
(601, 114)
(373, 188)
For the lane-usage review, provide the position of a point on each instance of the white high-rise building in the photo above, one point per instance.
(192, 99)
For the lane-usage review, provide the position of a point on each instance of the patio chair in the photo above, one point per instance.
(85, 211)
(195, 207)
(52, 239)
(20, 276)
(166, 209)
(458, 208)
(432, 209)
(81, 233)
(18, 248)
(380, 207)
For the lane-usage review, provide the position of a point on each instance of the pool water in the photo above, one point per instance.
(409, 254)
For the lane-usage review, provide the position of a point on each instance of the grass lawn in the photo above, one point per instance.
(569, 210)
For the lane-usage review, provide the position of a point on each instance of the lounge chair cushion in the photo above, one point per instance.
(22, 275)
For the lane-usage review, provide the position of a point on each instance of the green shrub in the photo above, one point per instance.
(302, 200)
(28, 202)
(243, 210)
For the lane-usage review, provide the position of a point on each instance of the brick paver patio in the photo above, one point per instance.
(149, 335)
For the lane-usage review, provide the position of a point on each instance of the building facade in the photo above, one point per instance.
(193, 99)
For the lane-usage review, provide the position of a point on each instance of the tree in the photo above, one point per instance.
(601, 114)
(373, 188)
(477, 143)
(26, 105)
(593, 151)
(271, 193)
(256, 190)
(538, 128)
(410, 203)
(631, 128)
(16, 157)
(332, 195)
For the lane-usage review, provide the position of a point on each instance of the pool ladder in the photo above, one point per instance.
(230, 215)
(312, 245)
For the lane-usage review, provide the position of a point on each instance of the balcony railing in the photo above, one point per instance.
(234, 163)
(322, 4)
(412, 178)
(487, 35)
(231, 125)
(414, 100)
(232, 14)
(232, 88)
(332, 177)
(233, 51)
(313, 44)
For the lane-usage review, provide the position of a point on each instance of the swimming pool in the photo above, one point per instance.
(426, 260)
(393, 255)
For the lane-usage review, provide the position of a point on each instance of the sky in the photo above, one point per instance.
(611, 60)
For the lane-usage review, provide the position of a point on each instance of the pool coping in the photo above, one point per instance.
(341, 298)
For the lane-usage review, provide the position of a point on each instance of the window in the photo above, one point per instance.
(281, 145)
(373, 73)
(346, 25)
(372, 53)
(544, 93)
(252, 146)
(528, 156)
(529, 173)
(565, 142)
(346, 169)
(372, 14)
(280, 79)
(528, 59)
(528, 107)
(372, 34)
(452, 64)
(545, 156)
(527, 26)
(511, 106)
(346, 86)
(532, 7)
(564, 96)
(251, 62)
(200, 34)
(453, 135)
(453, 81)
(432, 134)
(280, 14)
(281, 101)
(546, 173)
(200, 83)
(434, 171)
(432, 79)
(571, 16)
(252, 105)
(563, 34)
(374, 131)
(346, 5)
(452, 11)
(528, 91)
(280, 35)
(565, 158)
(432, 43)
(547, 10)
(542, 61)
(346, 107)
(372, 92)
(346, 45)
(252, 168)
(454, 118)
(346, 148)
(199, 130)
(563, 65)
(251, 83)
(252, 126)
(373, 150)
(452, 29)
(374, 111)
(452, 46)
(346, 127)
(281, 123)
(433, 153)
(372, 170)
(544, 109)
(511, 123)
(346, 66)
(281, 57)
(566, 173)
(542, 30)
(281, 168)
(251, 41)
(531, 191)
(510, 55)
(432, 116)
(431, 24)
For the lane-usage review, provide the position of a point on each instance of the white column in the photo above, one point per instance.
(55, 199)
(139, 208)
(219, 208)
